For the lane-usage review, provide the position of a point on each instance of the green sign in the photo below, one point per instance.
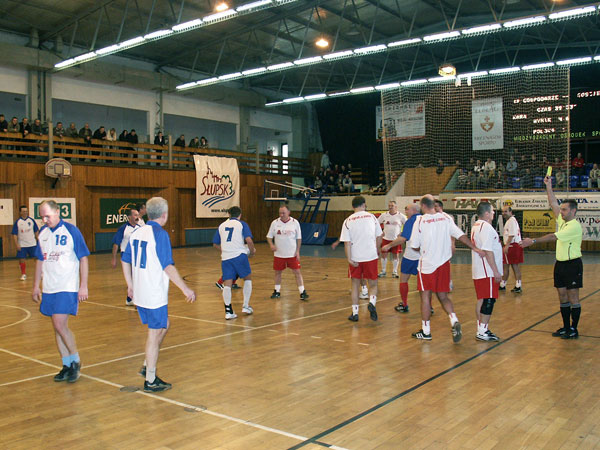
(64, 208)
(113, 211)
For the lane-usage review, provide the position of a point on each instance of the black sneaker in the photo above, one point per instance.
(353, 317)
(63, 375)
(74, 372)
(372, 311)
(219, 285)
(304, 296)
(235, 286)
(516, 290)
(142, 371)
(157, 385)
(456, 332)
(401, 308)
(420, 335)
(571, 333)
(432, 311)
(501, 288)
(560, 332)
(276, 294)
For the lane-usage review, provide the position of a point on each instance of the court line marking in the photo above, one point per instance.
(170, 401)
(27, 316)
(424, 382)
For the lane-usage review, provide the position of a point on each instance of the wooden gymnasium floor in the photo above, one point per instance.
(300, 375)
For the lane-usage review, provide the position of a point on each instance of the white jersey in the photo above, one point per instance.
(60, 248)
(409, 252)
(149, 253)
(511, 228)
(361, 229)
(485, 237)
(141, 222)
(121, 237)
(25, 231)
(285, 236)
(231, 236)
(392, 224)
(432, 234)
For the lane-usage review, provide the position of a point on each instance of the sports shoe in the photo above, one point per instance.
(373, 311)
(516, 290)
(157, 385)
(304, 296)
(229, 316)
(492, 335)
(560, 332)
(401, 308)
(571, 333)
(142, 371)
(276, 294)
(431, 311)
(487, 336)
(129, 302)
(382, 274)
(501, 288)
(23, 277)
(247, 309)
(353, 317)
(395, 275)
(235, 286)
(363, 294)
(219, 285)
(456, 332)
(63, 375)
(74, 372)
(420, 335)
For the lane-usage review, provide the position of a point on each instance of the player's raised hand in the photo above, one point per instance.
(548, 181)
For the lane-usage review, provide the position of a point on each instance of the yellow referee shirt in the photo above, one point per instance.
(569, 237)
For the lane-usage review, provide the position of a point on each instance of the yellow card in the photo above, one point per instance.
(549, 173)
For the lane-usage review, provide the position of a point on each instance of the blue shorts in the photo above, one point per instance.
(154, 318)
(59, 303)
(26, 252)
(409, 267)
(238, 266)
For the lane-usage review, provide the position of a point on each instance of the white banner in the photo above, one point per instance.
(590, 224)
(68, 211)
(488, 124)
(400, 120)
(217, 185)
(6, 211)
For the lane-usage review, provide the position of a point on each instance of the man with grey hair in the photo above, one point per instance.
(148, 266)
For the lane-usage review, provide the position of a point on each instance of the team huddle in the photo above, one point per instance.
(426, 232)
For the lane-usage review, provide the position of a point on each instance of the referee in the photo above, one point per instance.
(568, 270)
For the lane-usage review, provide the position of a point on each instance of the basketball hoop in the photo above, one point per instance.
(58, 168)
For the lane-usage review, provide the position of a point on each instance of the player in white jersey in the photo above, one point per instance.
(285, 239)
(25, 232)
(392, 222)
(432, 234)
(148, 266)
(486, 270)
(121, 238)
(361, 235)
(512, 252)
(364, 290)
(439, 208)
(234, 240)
(62, 260)
(142, 212)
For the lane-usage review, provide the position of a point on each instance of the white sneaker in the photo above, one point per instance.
(23, 277)
(364, 294)
(395, 275)
(382, 274)
(247, 309)
(229, 316)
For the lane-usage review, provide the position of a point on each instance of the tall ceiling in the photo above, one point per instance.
(289, 31)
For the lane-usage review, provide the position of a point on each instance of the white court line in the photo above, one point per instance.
(27, 316)
(168, 400)
(27, 379)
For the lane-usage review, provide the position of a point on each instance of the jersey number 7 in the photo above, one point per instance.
(230, 231)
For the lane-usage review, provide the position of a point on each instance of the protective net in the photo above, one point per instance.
(491, 132)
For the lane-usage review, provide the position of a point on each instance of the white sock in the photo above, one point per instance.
(453, 318)
(395, 263)
(482, 328)
(365, 290)
(247, 292)
(301, 289)
(278, 288)
(503, 283)
(150, 374)
(373, 300)
(383, 264)
(518, 283)
(354, 309)
(227, 295)
(426, 326)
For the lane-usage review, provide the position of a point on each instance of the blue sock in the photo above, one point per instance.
(66, 360)
(75, 357)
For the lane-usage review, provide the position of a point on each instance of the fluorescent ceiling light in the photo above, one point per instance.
(482, 29)
(596, 58)
(337, 94)
(565, 62)
(504, 70)
(371, 49)
(254, 71)
(66, 62)
(105, 50)
(438, 79)
(158, 34)
(362, 89)
(186, 85)
(186, 25)
(293, 100)
(338, 54)
(253, 5)
(229, 76)
(527, 21)
(472, 74)
(219, 15)
(310, 60)
(207, 81)
(315, 96)
(404, 42)
(273, 103)
(441, 36)
(537, 66)
(382, 87)
(130, 42)
(89, 55)
(413, 82)
(572, 12)
(280, 66)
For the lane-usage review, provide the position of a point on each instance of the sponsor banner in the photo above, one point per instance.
(538, 222)
(590, 224)
(217, 185)
(400, 120)
(113, 211)
(6, 211)
(488, 125)
(66, 207)
(585, 201)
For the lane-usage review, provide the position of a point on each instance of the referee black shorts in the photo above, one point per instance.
(568, 274)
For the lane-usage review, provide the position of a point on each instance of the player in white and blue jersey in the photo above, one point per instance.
(121, 238)
(234, 240)
(25, 232)
(148, 266)
(62, 260)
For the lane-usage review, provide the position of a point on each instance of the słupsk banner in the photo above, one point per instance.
(488, 124)
(217, 185)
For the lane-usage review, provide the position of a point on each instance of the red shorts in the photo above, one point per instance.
(366, 270)
(514, 256)
(282, 263)
(438, 281)
(486, 288)
(394, 250)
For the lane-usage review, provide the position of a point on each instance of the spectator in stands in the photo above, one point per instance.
(511, 166)
(502, 180)
(561, 178)
(318, 184)
(492, 179)
(500, 167)
(558, 164)
(14, 126)
(100, 133)
(325, 162)
(478, 167)
(471, 164)
(195, 143)
(25, 127)
(336, 170)
(594, 180)
(3, 124)
(522, 165)
(489, 166)
(347, 184)
(111, 135)
(72, 131)
(203, 142)
(339, 183)
(180, 142)
(462, 179)
(133, 137)
(440, 167)
(533, 165)
(577, 164)
(124, 136)
(86, 134)
(330, 187)
(527, 179)
(36, 128)
(159, 139)
(59, 130)
(343, 170)
(481, 182)
(349, 168)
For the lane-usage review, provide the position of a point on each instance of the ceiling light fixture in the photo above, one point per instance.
(221, 7)
(322, 43)
(447, 70)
